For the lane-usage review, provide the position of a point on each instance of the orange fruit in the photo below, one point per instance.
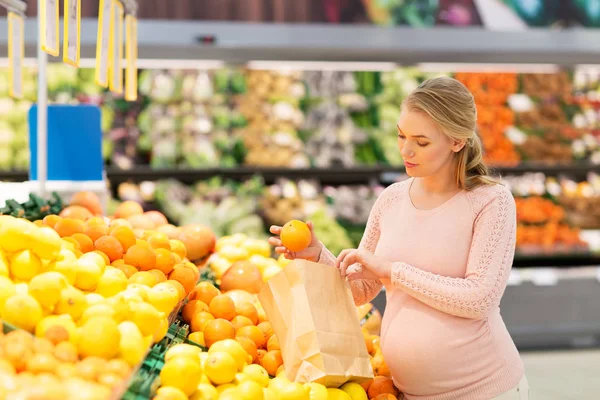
(191, 308)
(239, 320)
(158, 274)
(90, 368)
(118, 367)
(66, 352)
(51, 220)
(272, 361)
(266, 329)
(41, 362)
(242, 275)
(127, 269)
(385, 396)
(85, 243)
(192, 267)
(205, 292)
(157, 217)
(252, 332)
(248, 345)
(159, 241)
(118, 262)
(164, 260)
(88, 200)
(39, 223)
(382, 385)
(110, 246)
(260, 353)
(179, 288)
(68, 227)
(143, 278)
(273, 343)
(127, 209)
(141, 257)
(295, 235)
(222, 306)
(218, 329)
(95, 232)
(103, 255)
(178, 248)
(199, 321)
(124, 235)
(248, 310)
(76, 212)
(185, 276)
(74, 242)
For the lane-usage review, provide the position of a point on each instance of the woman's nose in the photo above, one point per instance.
(407, 151)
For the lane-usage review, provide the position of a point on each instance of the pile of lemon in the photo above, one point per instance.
(225, 372)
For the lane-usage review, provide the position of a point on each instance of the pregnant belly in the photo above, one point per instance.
(429, 352)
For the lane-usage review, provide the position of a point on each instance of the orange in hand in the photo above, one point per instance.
(295, 235)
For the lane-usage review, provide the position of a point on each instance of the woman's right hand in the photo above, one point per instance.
(311, 253)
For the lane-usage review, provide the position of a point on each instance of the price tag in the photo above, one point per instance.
(49, 28)
(116, 48)
(103, 42)
(72, 32)
(131, 49)
(16, 52)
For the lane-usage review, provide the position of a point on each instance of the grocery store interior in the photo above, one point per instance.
(221, 118)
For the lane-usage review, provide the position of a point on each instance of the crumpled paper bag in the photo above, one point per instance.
(311, 310)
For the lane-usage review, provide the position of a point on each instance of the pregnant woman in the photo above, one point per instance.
(442, 243)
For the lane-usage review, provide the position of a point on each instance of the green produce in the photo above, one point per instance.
(330, 232)
(35, 208)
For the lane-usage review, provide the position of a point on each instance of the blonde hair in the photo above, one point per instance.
(452, 108)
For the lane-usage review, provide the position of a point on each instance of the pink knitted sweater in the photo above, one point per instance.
(442, 334)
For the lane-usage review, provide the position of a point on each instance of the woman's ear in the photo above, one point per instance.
(458, 145)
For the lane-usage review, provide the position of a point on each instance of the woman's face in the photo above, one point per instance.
(426, 151)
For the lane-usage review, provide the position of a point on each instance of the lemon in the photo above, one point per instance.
(99, 337)
(337, 394)
(183, 350)
(277, 384)
(72, 302)
(94, 298)
(22, 288)
(146, 317)
(118, 304)
(317, 391)
(131, 345)
(183, 373)
(234, 348)
(7, 289)
(15, 234)
(293, 391)
(231, 394)
(96, 258)
(205, 391)
(51, 321)
(4, 265)
(257, 373)
(88, 273)
(164, 297)
(233, 253)
(171, 393)
(46, 288)
(355, 391)
(270, 272)
(65, 264)
(140, 290)
(97, 310)
(257, 247)
(250, 390)
(220, 367)
(24, 265)
(46, 243)
(23, 311)
(269, 394)
(224, 387)
(282, 261)
(111, 282)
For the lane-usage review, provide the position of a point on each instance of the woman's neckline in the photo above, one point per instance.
(430, 210)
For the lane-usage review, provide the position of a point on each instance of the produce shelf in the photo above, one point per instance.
(384, 174)
(556, 260)
(241, 42)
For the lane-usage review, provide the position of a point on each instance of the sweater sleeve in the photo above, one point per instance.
(365, 290)
(488, 267)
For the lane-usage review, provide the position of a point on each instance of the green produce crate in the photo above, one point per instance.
(145, 382)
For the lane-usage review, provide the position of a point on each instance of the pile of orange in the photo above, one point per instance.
(34, 367)
(215, 316)
(146, 257)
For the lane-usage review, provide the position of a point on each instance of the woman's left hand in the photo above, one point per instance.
(372, 267)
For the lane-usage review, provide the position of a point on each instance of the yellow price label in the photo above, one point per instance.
(49, 27)
(131, 49)
(103, 42)
(16, 53)
(72, 32)
(116, 48)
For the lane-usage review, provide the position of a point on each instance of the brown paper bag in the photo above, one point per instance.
(311, 310)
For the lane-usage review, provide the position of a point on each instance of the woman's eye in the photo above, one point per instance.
(401, 137)
(423, 144)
